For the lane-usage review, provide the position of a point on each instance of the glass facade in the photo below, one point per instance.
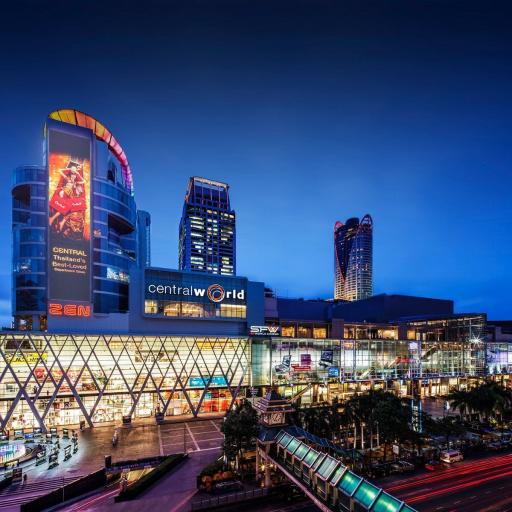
(114, 237)
(449, 347)
(61, 380)
(29, 221)
(353, 259)
(207, 229)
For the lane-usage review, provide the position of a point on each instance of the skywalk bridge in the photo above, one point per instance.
(330, 485)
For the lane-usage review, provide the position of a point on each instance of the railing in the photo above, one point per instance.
(227, 499)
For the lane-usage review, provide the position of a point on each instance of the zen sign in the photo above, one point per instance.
(265, 330)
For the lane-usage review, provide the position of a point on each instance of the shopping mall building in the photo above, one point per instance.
(98, 334)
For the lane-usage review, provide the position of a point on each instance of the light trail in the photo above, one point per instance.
(449, 486)
(491, 462)
(433, 494)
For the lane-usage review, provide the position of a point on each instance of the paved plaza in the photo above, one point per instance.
(202, 439)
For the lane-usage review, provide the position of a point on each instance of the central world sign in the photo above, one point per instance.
(214, 292)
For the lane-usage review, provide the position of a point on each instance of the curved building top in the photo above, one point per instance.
(102, 133)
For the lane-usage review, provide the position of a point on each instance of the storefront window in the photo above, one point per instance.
(120, 364)
(194, 309)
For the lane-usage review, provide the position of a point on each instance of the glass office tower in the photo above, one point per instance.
(353, 259)
(207, 229)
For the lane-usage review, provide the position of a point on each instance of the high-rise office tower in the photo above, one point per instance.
(353, 259)
(207, 229)
(144, 238)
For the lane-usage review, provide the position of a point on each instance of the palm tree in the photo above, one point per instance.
(461, 400)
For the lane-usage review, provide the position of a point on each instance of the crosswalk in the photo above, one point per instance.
(15, 495)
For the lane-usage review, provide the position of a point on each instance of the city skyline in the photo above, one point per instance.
(295, 161)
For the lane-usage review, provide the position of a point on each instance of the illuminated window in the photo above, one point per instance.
(288, 331)
(319, 332)
(304, 331)
(233, 311)
(387, 334)
(151, 307)
(411, 334)
(171, 309)
(192, 309)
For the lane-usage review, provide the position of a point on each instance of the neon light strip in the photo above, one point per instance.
(102, 133)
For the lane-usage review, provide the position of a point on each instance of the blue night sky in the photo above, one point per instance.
(311, 111)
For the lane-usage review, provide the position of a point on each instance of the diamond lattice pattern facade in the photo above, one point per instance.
(65, 379)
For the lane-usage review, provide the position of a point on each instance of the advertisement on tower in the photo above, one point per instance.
(69, 223)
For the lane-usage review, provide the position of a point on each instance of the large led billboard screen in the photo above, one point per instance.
(69, 220)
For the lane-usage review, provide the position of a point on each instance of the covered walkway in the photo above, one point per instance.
(326, 480)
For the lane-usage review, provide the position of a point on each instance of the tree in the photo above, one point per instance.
(449, 426)
(374, 410)
(461, 400)
(488, 399)
(392, 418)
(240, 429)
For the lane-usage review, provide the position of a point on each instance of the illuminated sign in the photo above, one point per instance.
(215, 292)
(265, 330)
(81, 310)
(333, 371)
(20, 358)
(202, 382)
(69, 222)
(117, 275)
(304, 365)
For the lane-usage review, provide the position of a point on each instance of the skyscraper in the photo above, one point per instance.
(353, 259)
(207, 229)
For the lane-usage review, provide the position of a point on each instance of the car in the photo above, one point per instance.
(495, 446)
(450, 456)
(227, 486)
(434, 465)
(401, 466)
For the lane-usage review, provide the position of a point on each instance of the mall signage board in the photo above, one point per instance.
(265, 330)
(202, 382)
(192, 287)
(69, 164)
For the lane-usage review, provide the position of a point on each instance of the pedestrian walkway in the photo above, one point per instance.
(12, 497)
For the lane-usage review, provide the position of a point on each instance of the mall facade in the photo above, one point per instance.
(99, 335)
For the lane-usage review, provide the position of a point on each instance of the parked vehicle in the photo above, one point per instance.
(227, 486)
(496, 446)
(450, 456)
(401, 466)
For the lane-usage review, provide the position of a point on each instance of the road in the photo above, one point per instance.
(471, 486)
